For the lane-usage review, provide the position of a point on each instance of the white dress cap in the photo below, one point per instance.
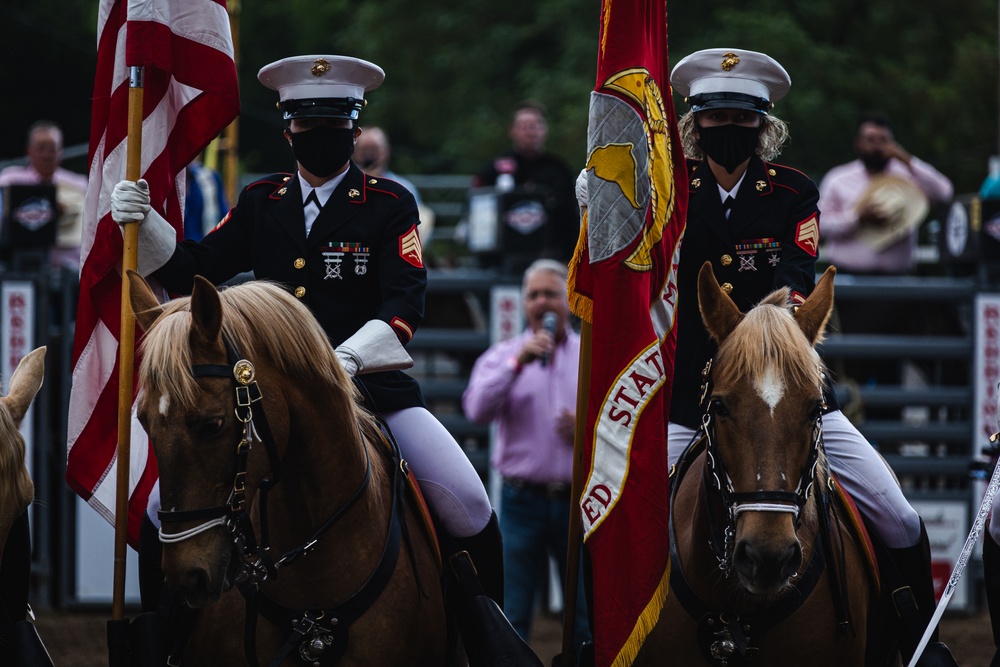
(321, 77)
(730, 79)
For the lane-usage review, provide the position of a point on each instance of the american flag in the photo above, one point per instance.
(190, 94)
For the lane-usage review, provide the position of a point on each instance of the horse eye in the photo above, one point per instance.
(719, 406)
(211, 427)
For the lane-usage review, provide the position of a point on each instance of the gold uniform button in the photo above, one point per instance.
(299, 263)
(726, 260)
(772, 172)
(301, 291)
(726, 287)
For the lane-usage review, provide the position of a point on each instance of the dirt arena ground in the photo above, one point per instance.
(79, 639)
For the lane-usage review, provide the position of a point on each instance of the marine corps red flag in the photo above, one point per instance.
(623, 281)
(191, 94)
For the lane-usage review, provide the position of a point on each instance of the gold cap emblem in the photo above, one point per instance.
(761, 185)
(353, 192)
(320, 67)
(729, 61)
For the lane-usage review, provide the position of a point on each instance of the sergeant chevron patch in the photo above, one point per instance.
(807, 235)
(409, 248)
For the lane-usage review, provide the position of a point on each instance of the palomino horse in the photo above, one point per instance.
(764, 567)
(16, 488)
(285, 517)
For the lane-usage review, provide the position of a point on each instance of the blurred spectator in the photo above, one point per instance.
(205, 203)
(870, 212)
(371, 153)
(530, 168)
(44, 153)
(868, 215)
(527, 386)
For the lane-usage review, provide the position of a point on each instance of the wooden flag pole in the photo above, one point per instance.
(575, 524)
(126, 347)
(232, 132)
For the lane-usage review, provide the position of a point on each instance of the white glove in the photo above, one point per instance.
(348, 361)
(130, 202)
(582, 196)
(374, 347)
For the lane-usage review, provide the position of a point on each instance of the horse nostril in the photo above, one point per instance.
(745, 558)
(791, 561)
(196, 580)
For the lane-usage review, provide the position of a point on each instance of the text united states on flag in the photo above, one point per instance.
(190, 94)
(623, 281)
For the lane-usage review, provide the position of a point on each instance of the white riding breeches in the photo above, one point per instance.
(452, 487)
(859, 469)
(450, 484)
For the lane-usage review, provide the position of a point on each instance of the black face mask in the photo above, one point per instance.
(874, 162)
(729, 145)
(323, 149)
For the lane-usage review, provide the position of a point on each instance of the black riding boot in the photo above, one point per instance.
(15, 571)
(917, 597)
(486, 550)
(477, 565)
(19, 640)
(991, 574)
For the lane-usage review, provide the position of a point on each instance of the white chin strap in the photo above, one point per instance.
(374, 347)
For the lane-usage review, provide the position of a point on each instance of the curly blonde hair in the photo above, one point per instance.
(773, 135)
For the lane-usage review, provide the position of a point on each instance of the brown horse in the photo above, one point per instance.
(16, 487)
(764, 568)
(285, 517)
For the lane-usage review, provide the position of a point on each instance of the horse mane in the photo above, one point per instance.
(769, 336)
(13, 472)
(261, 320)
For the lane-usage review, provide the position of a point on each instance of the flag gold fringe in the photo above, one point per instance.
(579, 304)
(645, 623)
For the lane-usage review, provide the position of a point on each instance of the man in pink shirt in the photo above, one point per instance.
(44, 152)
(850, 216)
(842, 188)
(527, 386)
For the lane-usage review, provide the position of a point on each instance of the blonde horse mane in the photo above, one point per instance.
(13, 473)
(769, 336)
(261, 320)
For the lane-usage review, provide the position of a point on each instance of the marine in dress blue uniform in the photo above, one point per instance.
(758, 223)
(347, 244)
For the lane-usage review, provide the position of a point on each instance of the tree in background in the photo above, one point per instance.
(454, 72)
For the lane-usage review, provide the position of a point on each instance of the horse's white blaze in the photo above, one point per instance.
(164, 404)
(771, 388)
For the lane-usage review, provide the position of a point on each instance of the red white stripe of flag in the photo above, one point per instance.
(190, 94)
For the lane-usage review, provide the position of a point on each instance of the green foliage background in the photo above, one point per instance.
(454, 70)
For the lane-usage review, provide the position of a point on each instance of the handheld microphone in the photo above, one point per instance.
(549, 321)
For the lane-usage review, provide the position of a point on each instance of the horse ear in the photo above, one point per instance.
(206, 312)
(25, 383)
(718, 311)
(145, 305)
(813, 315)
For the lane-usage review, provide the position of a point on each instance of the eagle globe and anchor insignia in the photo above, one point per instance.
(617, 164)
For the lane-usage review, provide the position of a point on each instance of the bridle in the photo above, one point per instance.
(319, 635)
(735, 503)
